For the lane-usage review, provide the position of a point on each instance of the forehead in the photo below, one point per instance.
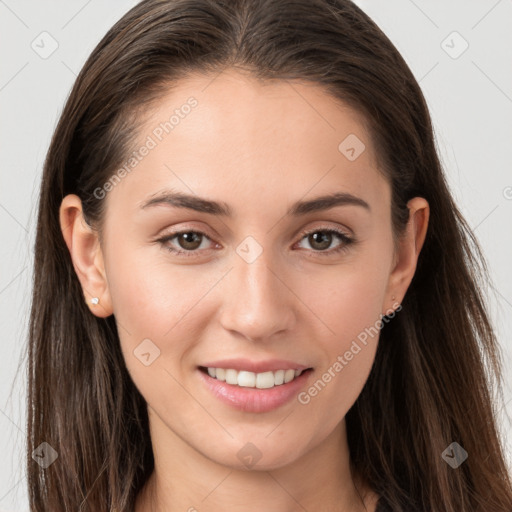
(234, 135)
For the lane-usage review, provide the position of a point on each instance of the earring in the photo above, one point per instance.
(95, 300)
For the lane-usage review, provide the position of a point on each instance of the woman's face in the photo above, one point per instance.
(260, 281)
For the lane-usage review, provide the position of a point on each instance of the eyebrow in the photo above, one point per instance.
(181, 200)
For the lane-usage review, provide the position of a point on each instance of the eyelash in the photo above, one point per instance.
(345, 239)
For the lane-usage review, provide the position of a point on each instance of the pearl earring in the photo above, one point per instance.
(95, 300)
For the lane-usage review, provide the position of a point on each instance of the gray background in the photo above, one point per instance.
(469, 94)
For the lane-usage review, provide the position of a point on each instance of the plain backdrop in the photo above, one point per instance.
(459, 51)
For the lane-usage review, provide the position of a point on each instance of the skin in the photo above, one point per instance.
(258, 147)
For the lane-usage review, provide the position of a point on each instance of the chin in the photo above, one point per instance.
(257, 456)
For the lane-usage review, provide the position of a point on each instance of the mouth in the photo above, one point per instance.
(247, 379)
(255, 392)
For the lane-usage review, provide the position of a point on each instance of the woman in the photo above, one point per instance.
(253, 289)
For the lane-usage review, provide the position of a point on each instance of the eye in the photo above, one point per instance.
(188, 241)
(321, 239)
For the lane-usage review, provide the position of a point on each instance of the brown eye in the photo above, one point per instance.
(183, 242)
(320, 240)
(188, 243)
(189, 240)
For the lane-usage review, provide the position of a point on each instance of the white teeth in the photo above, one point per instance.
(246, 379)
(289, 375)
(231, 376)
(279, 377)
(264, 380)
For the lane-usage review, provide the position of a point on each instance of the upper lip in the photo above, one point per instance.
(270, 365)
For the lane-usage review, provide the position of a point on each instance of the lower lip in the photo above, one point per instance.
(254, 399)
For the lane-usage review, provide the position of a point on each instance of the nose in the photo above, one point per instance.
(258, 302)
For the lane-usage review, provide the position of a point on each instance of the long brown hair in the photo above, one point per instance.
(437, 360)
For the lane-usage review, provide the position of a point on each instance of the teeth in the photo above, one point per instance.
(246, 379)
(231, 376)
(289, 375)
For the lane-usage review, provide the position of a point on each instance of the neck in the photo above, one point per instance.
(185, 480)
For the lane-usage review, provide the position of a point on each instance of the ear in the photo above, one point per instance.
(85, 250)
(406, 256)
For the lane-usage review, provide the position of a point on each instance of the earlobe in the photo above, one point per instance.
(86, 254)
(408, 252)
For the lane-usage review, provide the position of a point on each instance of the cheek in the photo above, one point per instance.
(153, 301)
(348, 356)
(149, 292)
(154, 307)
(348, 301)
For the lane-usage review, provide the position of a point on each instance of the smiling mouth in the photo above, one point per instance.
(246, 379)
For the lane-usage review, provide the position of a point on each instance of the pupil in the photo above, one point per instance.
(188, 243)
(325, 239)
